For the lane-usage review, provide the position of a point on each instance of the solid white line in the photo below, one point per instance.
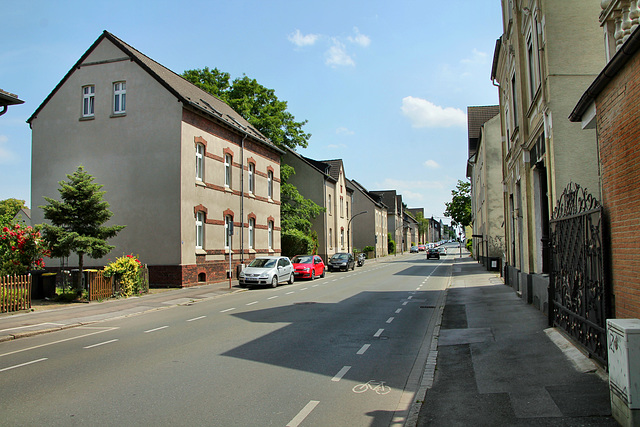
(156, 329)
(275, 296)
(196, 318)
(99, 344)
(251, 303)
(32, 326)
(363, 349)
(390, 319)
(398, 310)
(228, 309)
(58, 342)
(22, 364)
(295, 422)
(377, 334)
(341, 373)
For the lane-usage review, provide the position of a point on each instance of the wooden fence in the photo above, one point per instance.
(15, 293)
(100, 287)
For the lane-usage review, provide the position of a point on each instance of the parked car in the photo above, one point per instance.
(414, 249)
(433, 253)
(442, 250)
(341, 261)
(308, 266)
(267, 270)
(422, 248)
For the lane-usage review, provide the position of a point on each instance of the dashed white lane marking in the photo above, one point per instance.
(156, 329)
(364, 348)
(196, 318)
(303, 289)
(251, 303)
(289, 293)
(378, 333)
(341, 373)
(22, 364)
(398, 310)
(100, 343)
(304, 413)
(409, 297)
(405, 303)
(228, 309)
(390, 319)
(273, 297)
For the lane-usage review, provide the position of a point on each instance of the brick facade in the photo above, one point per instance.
(618, 121)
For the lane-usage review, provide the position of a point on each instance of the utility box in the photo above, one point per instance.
(623, 341)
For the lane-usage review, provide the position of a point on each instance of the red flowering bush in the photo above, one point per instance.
(21, 249)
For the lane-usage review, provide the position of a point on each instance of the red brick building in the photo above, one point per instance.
(612, 104)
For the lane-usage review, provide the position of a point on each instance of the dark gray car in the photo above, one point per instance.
(341, 261)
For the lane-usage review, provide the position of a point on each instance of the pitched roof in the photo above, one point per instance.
(476, 117)
(186, 92)
(376, 199)
(8, 98)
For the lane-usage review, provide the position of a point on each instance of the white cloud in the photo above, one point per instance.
(423, 113)
(337, 55)
(432, 164)
(336, 146)
(359, 39)
(301, 40)
(477, 58)
(344, 131)
(6, 155)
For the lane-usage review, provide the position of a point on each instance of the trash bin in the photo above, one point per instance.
(49, 285)
(36, 284)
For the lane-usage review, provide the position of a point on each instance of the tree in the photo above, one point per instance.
(459, 209)
(77, 219)
(10, 207)
(255, 103)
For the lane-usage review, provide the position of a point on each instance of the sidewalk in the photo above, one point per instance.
(498, 363)
(47, 318)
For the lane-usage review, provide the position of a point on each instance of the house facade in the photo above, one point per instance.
(539, 74)
(484, 169)
(395, 216)
(370, 228)
(610, 105)
(325, 183)
(180, 168)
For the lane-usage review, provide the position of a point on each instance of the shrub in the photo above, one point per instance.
(295, 242)
(369, 249)
(126, 270)
(469, 245)
(21, 249)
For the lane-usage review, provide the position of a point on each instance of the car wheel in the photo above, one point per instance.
(322, 274)
(353, 267)
(274, 282)
(291, 279)
(313, 275)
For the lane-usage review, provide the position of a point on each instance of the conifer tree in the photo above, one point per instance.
(77, 219)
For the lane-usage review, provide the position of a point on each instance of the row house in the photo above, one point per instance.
(325, 183)
(610, 106)
(418, 214)
(370, 228)
(434, 230)
(484, 170)
(411, 229)
(197, 187)
(395, 216)
(540, 72)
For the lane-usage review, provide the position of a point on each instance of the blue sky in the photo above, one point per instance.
(384, 85)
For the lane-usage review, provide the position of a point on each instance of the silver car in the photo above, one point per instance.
(267, 270)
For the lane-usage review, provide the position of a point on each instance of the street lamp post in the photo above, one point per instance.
(348, 228)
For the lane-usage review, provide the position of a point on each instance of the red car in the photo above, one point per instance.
(308, 266)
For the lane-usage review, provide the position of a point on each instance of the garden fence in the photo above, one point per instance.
(15, 293)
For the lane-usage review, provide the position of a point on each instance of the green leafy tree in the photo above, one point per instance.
(77, 219)
(257, 104)
(459, 209)
(10, 207)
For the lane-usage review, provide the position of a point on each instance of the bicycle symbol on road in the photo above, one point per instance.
(377, 386)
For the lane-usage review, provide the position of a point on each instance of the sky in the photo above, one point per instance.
(384, 85)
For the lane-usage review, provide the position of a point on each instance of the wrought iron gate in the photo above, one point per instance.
(578, 295)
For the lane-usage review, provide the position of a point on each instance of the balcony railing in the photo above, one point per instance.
(619, 18)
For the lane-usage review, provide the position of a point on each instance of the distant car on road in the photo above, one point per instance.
(308, 266)
(342, 261)
(414, 249)
(422, 248)
(442, 250)
(433, 253)
(267, 270)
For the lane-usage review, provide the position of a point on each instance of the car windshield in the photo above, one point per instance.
(340, 256)
(302, 260)
(263, 262)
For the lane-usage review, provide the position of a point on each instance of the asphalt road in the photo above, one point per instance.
(342, 350)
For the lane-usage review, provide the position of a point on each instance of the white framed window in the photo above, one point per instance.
(342, 238)
(227, 170)
(199, 161)
(341, 207)
(347, 209)
(119, 97)
(270, 184)
(514, 100)
(252, 232)
(329, 205)
(88, 101)
(228, 225)
(252, 179)
(270, 234)
(331, 238)
(199, 230)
